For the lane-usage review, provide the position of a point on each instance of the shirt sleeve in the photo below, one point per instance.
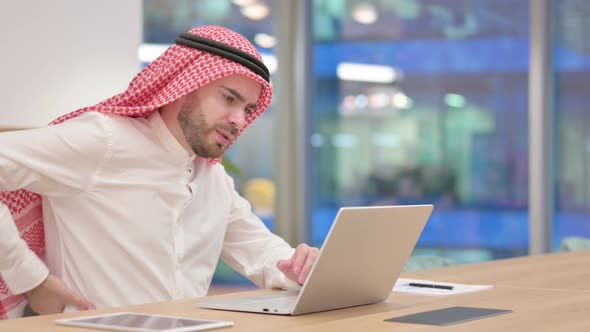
(252, 250)
(53, 160)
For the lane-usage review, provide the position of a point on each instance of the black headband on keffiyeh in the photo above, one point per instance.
(226, 51)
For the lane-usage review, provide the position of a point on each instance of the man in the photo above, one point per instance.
(135, 205)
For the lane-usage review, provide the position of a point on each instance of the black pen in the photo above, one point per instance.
(415, 284)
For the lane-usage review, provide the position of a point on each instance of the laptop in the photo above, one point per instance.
(358, 264)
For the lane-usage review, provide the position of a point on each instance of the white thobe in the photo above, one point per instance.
(130, 217)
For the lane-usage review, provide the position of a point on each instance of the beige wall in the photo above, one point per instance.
(61, 55)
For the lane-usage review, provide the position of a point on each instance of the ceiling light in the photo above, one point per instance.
(243, 3)
(365, 73)
(365, 14)
(255, 11)
(265, 40)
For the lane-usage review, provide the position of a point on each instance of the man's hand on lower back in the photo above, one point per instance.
(51, 296)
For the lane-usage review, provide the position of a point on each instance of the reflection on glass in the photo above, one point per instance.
(165, 19)
(571, 61)
(421, 101)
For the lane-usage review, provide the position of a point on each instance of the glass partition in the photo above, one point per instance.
(413, 102)
(571, 65)
(424, 102)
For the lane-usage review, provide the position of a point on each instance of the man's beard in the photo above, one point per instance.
(196, 133)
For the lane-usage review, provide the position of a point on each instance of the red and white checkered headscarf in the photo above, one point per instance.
(177, 72)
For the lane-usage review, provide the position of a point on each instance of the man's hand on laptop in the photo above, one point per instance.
(297, 267)
(51, 296)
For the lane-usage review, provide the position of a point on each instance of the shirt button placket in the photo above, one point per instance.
(179, 252)
(179, 235)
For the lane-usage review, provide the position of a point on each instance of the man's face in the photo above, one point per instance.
(212, 116)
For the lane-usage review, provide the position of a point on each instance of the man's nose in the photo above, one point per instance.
(237, 118)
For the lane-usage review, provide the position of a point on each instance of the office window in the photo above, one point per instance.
(422, 101)
(249, 160)
(571, 63)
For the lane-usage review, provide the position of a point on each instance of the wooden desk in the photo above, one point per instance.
(565, 271)
(541, 290)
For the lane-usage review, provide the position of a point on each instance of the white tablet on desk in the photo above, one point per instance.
(134, 322)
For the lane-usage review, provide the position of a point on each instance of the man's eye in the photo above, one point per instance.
(228, 98)
(249, 110)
